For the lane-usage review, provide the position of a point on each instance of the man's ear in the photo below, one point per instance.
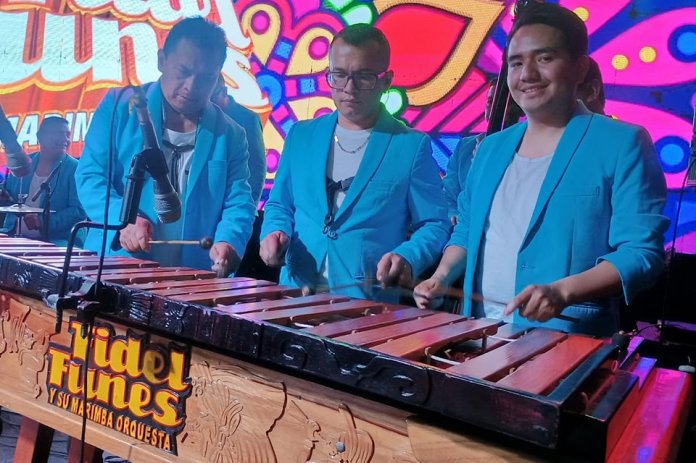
(583, 65)
(160, 59)
(387, 79)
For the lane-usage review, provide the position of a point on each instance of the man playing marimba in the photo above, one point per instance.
(351, 183)
(563, 211)
(206, 153)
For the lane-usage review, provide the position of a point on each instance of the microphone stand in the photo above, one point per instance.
(93, 297)
(45, 188)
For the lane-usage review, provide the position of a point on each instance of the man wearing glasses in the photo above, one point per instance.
(351, 184)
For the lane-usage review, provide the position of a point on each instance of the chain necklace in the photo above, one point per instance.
(362, 145)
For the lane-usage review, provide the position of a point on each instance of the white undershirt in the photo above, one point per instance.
(180, 139)
(507, 224)
(343, 162)
(170, 255)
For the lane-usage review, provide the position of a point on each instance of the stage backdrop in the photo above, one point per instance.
(58, 57)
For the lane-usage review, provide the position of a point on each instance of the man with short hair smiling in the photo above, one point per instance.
(206, 153)
(562, 212)
(53, 164)
(352, 183)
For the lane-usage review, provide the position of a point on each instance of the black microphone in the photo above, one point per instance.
(17, 160)
(691, 173)
(167, 203)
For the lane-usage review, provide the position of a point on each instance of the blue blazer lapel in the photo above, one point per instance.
(317, 155)
(374, 154)
(205, 139)
(567, 146)
(483, 190)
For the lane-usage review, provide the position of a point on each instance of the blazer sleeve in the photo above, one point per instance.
(91, 173)
(279, 210)
(637, 226)
(460, 233)
(257, 156)
(239, 209)
(457, 168)
(428, 211)
(62, 220)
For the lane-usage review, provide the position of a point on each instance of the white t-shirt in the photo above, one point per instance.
(180, 139)
(170, 254)
(345, 156)
(511, 211)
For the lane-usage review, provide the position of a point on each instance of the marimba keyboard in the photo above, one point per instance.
(420, 358)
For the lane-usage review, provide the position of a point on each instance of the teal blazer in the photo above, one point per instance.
(218, 201)
(457, 169)
(602, 199)
(64, 201)
(396, 189)
(251, 123)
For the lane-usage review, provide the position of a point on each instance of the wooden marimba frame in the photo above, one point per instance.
(558, 391)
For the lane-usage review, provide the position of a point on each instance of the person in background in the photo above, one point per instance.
(251, 123)
(562, 213)
(251, 265)
(54, 165)
(463, 154)
(352, 183)
(591, 90)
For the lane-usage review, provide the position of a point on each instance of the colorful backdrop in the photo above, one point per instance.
(58, 57)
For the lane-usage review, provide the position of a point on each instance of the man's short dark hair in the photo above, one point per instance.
(202, 33)
(52, 121)
(571, 27)
(593, 72)
(363, 35)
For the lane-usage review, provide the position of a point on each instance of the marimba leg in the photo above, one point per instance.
(33, 442)
(92, 454)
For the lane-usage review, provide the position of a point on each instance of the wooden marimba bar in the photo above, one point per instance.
(546, 376)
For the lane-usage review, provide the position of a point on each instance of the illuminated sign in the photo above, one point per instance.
(135, 387)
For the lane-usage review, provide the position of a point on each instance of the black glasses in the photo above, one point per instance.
(361, 80)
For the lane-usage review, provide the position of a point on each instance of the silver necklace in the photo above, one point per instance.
(362, 145)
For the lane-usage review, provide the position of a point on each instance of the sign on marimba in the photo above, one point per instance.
(134, 386)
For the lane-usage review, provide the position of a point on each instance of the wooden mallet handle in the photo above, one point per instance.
(206, 242)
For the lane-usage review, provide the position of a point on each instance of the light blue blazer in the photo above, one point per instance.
(457, 169)
(218, 201)
(251, 123)
(602, 199)
(396, 189)
(64, 201)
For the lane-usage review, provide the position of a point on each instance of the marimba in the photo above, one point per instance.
(570, 393)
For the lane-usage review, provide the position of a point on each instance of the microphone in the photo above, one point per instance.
(167, 203)
(17, 160)
(691, 173)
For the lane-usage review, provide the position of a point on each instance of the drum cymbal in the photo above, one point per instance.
(21, 209)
